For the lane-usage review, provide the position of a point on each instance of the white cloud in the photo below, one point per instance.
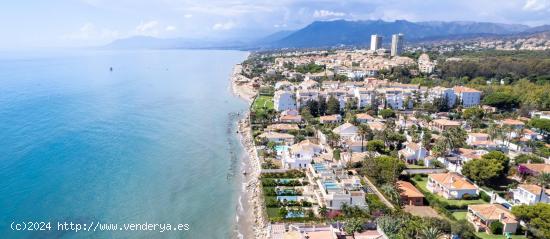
(536, 5)
(280, 25)
(327, 13)
(170, 28)
(188, 16)
(149, 28)
(223, 26)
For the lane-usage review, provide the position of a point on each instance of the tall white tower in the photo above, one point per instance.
(375, 42)
(397, 44)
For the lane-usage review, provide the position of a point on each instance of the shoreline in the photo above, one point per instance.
(251, 220)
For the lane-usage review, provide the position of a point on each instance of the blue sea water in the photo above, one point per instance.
(151, 141)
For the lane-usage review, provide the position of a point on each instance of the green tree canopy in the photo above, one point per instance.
(537, 217)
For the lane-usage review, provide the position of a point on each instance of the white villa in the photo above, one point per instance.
(468, 97)
(450, 185)
(284, 100)
(346, 131)
(301, 154)
(333, 190)
(413, 152)
(530, 194)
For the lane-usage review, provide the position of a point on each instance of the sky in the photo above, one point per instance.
(78, 23)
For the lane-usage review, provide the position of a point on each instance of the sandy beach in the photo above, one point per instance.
(251, 220)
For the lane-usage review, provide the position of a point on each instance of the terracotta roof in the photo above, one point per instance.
(446, 122)
(344, 126)
(454, 180)
(364, 116)
(537, 167)
(283, 127)
(408, 190)
(532, 188)
(376, 125)
(492, 212)
(335, 117)
(460, 89)
(512, 122)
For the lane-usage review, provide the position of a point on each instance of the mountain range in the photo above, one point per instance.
(343, 32)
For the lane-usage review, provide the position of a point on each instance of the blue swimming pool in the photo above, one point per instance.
(280, 149)
(331, 185)
(294, 214)
(287, 198)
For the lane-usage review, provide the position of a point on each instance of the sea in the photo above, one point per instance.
(126, 144)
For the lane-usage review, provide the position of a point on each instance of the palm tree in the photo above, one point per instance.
(323, 211)
(364, 131)
(430, 233)
(392, 193)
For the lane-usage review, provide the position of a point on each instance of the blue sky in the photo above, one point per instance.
(74, 23)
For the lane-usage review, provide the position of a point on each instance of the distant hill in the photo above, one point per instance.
(342, 32)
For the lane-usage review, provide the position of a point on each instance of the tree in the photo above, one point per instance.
(543, 180)
(542, 124)
(500, 157)
(426, 138)
(387, 113)
(353, 225)
(283, 212)
(383, 169)
(376, 146)
(496, 227)
(364, 131)
(332, 138)
(392, 192)
(430, 233)
(501, 100)
(323, 211)
(333, 106)
(451, 139)
(537, 218)
(482, 170)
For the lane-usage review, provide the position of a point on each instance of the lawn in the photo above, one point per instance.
(422, 186)
(263, 102)
(273, 213)
(484, 235)
(459, 215)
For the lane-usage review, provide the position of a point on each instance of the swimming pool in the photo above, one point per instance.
(287, 198)
(280, 149)
(294, 214)
(331, 185)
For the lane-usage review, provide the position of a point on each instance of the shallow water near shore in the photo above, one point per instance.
(152, 141)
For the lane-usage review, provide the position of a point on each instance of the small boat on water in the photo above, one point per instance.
(244, 172)
(111, 68)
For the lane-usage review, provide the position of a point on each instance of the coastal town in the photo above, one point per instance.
(393, 143)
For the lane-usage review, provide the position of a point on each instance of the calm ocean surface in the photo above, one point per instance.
(152, 141)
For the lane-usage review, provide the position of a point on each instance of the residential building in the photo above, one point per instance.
(533, 168)
(397, 44)
(303, 96)
(482, 215)
(442, 93)
(450, 185)
(410, 195)
(284, 100)
(346, 131)
(301, 154)
(375, 42)
(443, 124)
(364, 118)
(330, 119)
(467, 97)
(530, 194)
(281, 138)
(334, 190)
(282, 127)
(425, 65)
(480, 140)
(413, 153)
